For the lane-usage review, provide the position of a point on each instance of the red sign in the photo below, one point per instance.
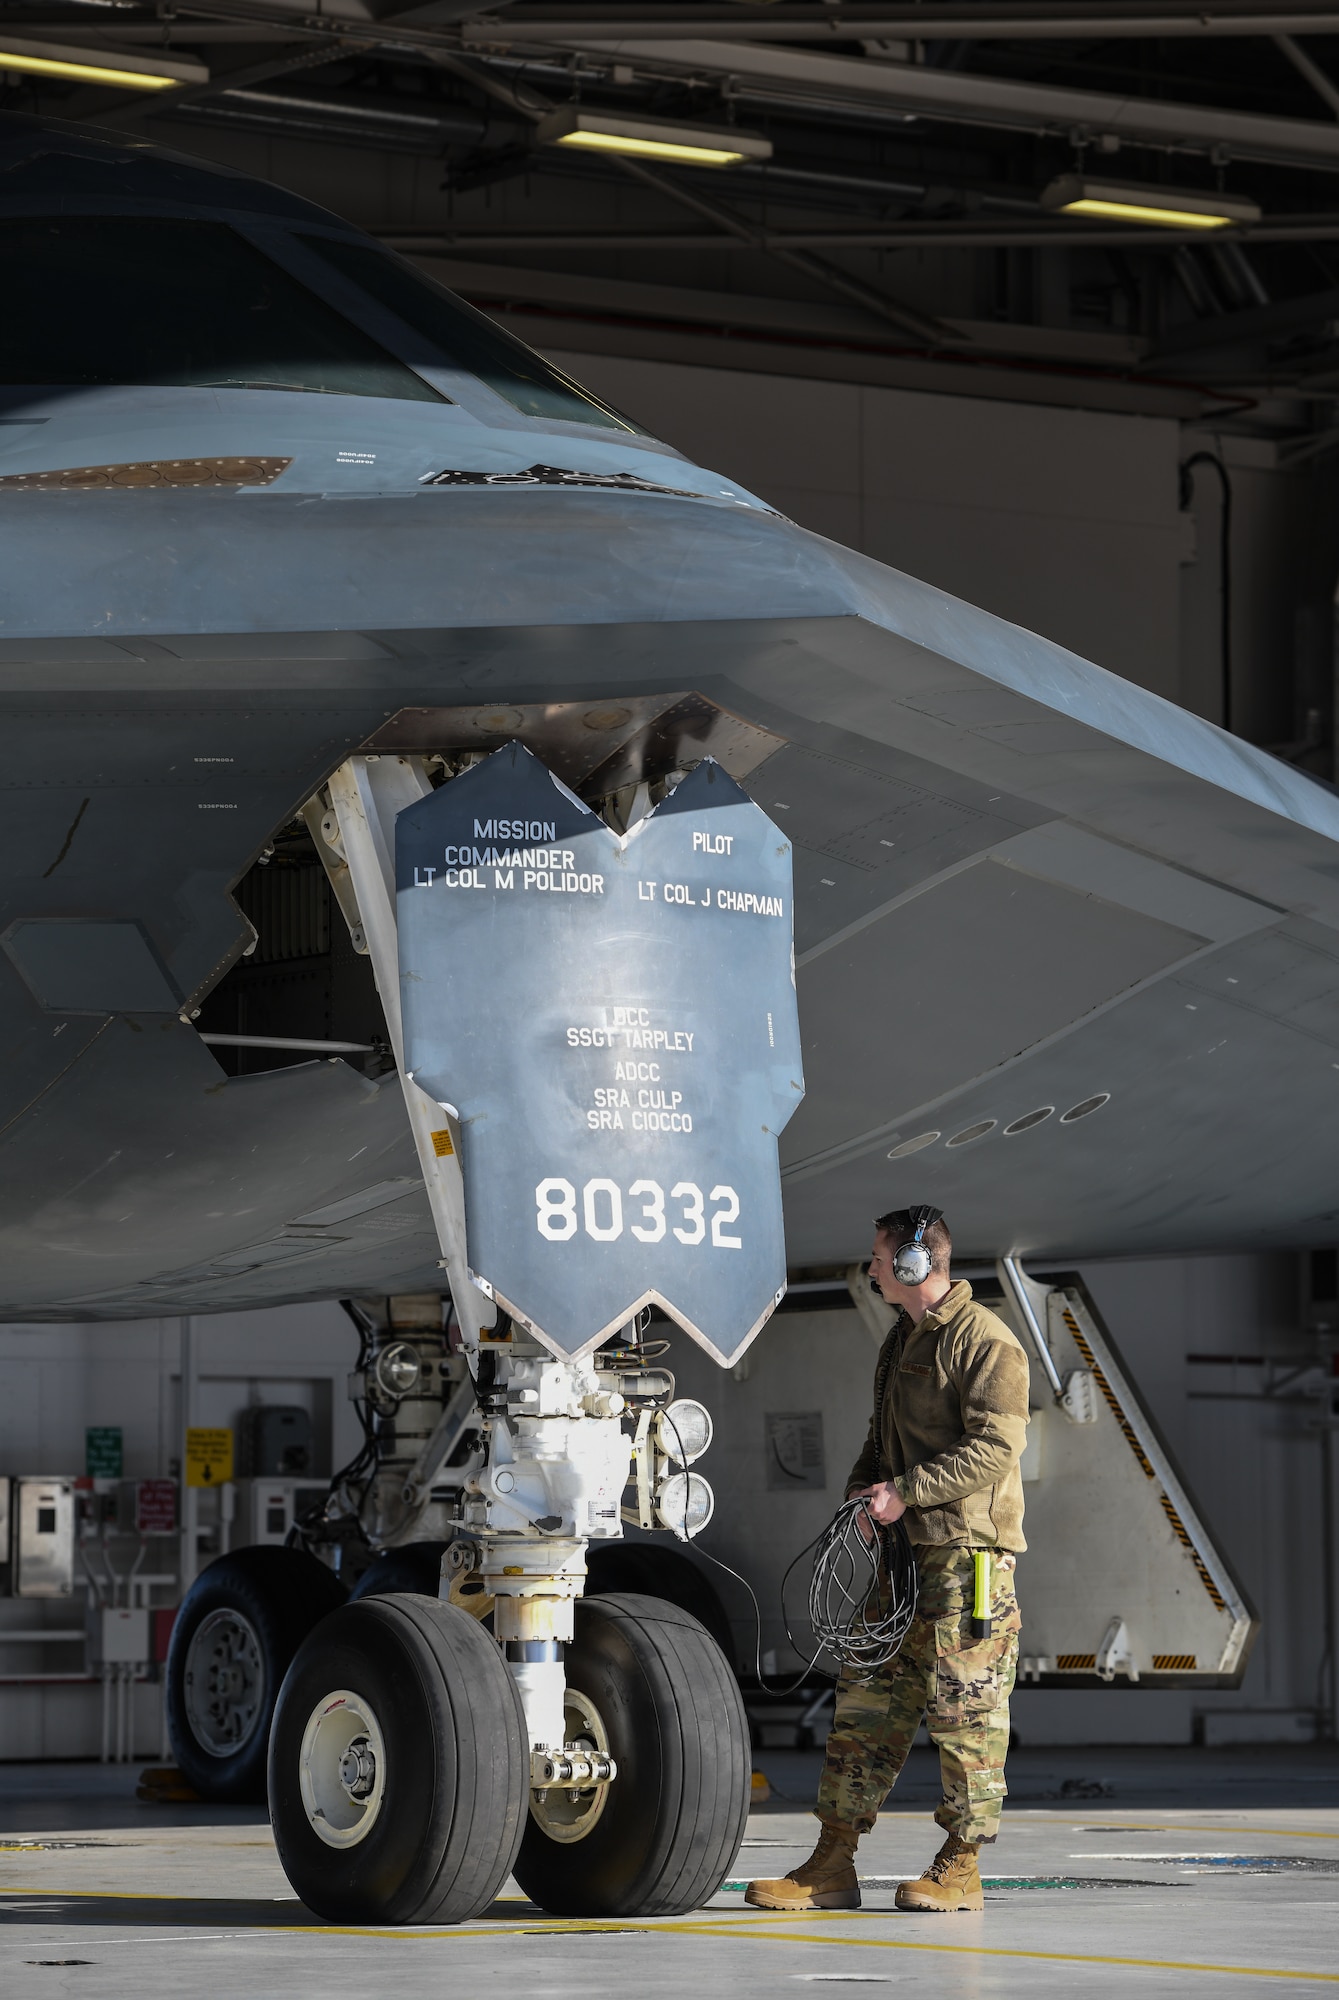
(156, 1506)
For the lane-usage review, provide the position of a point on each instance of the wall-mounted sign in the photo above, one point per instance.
(102, 1451)
(208, 1457)
(795, 1451)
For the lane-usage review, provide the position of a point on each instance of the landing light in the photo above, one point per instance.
(684, 1430)
(651, 138)
(127, 72)
(1163, 208)
(685, 1503)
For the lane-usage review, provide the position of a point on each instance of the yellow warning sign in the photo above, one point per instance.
(441, 1145)
(208, 1457)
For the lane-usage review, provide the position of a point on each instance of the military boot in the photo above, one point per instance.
(826, 1881)
(951, 1882)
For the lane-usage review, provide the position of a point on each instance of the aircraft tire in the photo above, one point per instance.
(414, 1567)
(401, 1700)
(235, 1635)
(653, 1569)
(655, 1686)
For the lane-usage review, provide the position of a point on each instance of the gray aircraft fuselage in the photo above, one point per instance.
(1068, 958)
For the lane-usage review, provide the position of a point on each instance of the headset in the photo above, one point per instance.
(911, 1260)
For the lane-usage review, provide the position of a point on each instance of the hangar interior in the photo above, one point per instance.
(1224, 1352)
(1118, 435)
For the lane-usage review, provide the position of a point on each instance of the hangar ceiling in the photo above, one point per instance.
(898, 222)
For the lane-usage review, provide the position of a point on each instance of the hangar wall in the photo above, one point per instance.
(1253, 1465)
(1066, 521)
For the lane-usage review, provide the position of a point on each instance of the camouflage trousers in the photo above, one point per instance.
(960, 1685)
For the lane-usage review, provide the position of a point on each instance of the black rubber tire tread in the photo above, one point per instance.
(415, 1567)
(458, 1759)
(656, 1569)
(283, 1593)
(677, 1810)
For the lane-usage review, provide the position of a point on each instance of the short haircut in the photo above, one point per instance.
(899, 1228)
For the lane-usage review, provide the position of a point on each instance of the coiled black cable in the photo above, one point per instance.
(862, 1589)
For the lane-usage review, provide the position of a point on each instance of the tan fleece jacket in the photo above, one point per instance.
(955, 1413)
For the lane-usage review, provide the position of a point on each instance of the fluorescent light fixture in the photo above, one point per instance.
(129, 72)
(1162, 208)
(651, 138)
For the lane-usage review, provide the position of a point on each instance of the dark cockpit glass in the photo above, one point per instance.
(131, 299)
(467, 339)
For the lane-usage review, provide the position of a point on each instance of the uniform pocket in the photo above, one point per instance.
(968, 1677)
(973, 1676)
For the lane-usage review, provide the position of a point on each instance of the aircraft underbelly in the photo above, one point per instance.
(1022, 886)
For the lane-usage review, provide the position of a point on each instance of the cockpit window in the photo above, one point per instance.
(467, 339)
(132, 299)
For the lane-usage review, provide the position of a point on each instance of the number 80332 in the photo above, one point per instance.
(599, 1211)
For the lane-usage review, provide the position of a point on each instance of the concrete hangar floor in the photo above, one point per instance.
(1134, 1872)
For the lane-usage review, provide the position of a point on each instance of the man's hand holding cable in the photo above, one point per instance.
(884, 1501)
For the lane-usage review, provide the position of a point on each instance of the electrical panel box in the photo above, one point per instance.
(42, 1537)
(274, 1441)
(119, 1635)
(275, 1505)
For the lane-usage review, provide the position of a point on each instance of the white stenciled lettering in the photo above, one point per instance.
(597, 1228)
(602, 1214)
(661, 1121)
(652, 1225)
(590, 1038)
(728, 1212)
(423, 877)
(693, 1212)
(515, 829)
(604, 1121)
(709, 843)
(637, 1072)
(556, 1201)
(679, 892)
(748, 904)
(502, 877)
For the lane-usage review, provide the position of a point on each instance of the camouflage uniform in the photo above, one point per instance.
(949, 1423)
(959, 1684)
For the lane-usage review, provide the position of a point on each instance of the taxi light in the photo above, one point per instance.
(651, 138)
(684, 1430)
(1159, 208)
(685, 1503)
(127, 72)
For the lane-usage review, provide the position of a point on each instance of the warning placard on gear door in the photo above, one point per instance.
(613, 1020)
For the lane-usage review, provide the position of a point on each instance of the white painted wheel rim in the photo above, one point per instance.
(342, 1769)
(224, 1683)
(567, 1813)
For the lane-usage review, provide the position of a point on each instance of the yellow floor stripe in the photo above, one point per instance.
(996, 1951)
(1167, 1826)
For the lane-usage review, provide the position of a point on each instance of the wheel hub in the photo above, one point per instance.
(568, 1812)
(342, 1768)
(224, 1682)
(358, 1769)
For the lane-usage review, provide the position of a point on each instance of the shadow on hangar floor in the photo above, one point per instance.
(1023, 886)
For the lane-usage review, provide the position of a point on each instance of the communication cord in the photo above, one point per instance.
(862, 1594)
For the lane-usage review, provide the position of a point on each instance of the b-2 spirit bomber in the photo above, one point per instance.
(300, 557)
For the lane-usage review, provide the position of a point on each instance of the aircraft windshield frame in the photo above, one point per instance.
(184, 302)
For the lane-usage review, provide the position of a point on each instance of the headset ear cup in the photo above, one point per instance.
(911, 1263)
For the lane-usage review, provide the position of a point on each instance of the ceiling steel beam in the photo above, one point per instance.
(923, 236)
(996, 102)
(1103, 20)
